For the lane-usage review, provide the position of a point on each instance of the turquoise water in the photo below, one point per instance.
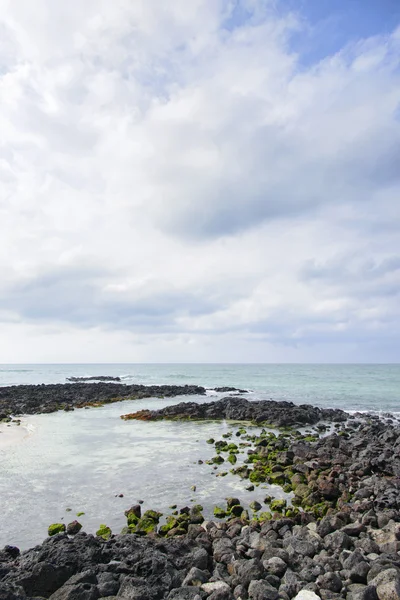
(350, 387)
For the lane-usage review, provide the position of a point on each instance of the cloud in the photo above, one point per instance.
(180, 174)
(85, 297)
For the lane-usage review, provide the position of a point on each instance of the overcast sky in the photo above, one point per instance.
(199, 180)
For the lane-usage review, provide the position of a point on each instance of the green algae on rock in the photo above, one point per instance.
(56, 528)
(104, 532)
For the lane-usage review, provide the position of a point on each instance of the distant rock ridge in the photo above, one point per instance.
(33, 399)
(93, 378)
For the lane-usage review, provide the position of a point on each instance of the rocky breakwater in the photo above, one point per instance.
(32, 399)
(279, 414)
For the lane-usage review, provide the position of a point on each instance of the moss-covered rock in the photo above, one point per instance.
(278, 505)
(231, 501)
(196, 514)
(221, 446)
(126, 530)
(264, 516)
(242, 471)
(104, 532)
(170, 524)
(302, 491)
(232, 459)
(277, 478)
(56, 528)
(132, 519)
(297, 479)
(145, 525)
(220, 513)
(236, 510)
(153, 514)
(257, 476)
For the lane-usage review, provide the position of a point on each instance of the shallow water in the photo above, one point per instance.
(83, 459)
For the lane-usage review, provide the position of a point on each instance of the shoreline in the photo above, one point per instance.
(336, 537)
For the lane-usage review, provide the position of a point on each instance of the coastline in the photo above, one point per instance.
(333, 536)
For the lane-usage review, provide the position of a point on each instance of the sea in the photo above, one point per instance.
(92, 463)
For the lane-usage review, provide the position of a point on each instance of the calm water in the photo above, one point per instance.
(84, 459)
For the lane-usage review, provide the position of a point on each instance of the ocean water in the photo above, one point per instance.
(350, 387)
(83, 460)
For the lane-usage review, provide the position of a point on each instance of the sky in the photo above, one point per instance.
(200, 181)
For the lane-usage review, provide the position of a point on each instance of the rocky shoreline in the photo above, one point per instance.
(46, 398)
(338, 537)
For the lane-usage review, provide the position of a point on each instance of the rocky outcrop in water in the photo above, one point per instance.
(32, 399)
(279, 414)
(100, 378)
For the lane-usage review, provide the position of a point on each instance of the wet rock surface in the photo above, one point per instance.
(280, 414)
(33, 399)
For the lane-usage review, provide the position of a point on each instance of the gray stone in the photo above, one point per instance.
(184, 593)
(354, 529)
(262, 590)
(390, 590)
(80, 591)
(352, 559)
(361, 592)
(337, 541)
(306, 595)
(302, 547)
(107, 584)
(240, 592)
(247, 570)
(330, 581)
(221, 595)
(257, 542)
(223, 550)
(196, 577)
(213, 586)
(131, 589)
(329, 525)
(275, 565)
(358, 574)
(382, 574)
(290, 583)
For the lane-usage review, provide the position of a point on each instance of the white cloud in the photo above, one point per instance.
(169, 179)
